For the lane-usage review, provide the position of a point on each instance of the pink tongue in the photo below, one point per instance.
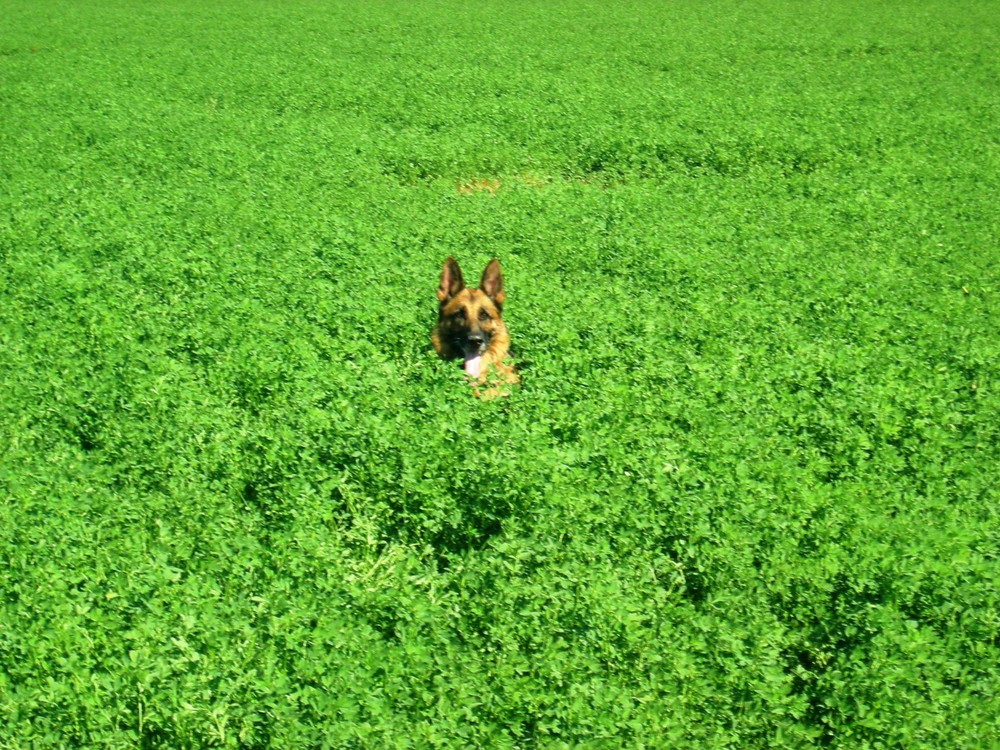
(472, 365)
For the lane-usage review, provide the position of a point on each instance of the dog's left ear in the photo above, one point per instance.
(492, 282)
(451, 280)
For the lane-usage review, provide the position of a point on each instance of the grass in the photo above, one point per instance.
(744, 497)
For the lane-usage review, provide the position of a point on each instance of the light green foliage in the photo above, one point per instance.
(745, 496)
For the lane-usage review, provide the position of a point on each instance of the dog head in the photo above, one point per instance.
(468, 319)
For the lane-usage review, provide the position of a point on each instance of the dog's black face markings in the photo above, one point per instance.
(469, 321)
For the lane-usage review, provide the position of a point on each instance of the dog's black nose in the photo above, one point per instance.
(476, 338)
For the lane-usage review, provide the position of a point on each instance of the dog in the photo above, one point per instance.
(469, 326)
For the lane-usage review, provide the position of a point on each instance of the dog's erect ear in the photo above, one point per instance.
(451, 280)
(492, 282)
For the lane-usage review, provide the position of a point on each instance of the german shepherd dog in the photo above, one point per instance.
(469, 326)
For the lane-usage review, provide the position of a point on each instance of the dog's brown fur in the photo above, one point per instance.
(469, 321)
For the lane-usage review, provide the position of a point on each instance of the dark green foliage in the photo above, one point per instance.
(745, 496)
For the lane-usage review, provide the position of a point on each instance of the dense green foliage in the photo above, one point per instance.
(745, 496)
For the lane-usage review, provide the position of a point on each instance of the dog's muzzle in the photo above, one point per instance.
(475, 343)
(472, 349)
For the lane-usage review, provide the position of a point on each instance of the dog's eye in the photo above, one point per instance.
(484, 316)
(459, 314)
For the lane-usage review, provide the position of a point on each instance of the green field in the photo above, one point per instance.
(746, 495)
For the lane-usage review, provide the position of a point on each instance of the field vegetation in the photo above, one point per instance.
(745, 495)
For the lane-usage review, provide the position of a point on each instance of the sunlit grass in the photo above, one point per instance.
(743, 497)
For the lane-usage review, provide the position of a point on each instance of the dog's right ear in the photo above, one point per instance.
(492, 282)
(451, 280)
